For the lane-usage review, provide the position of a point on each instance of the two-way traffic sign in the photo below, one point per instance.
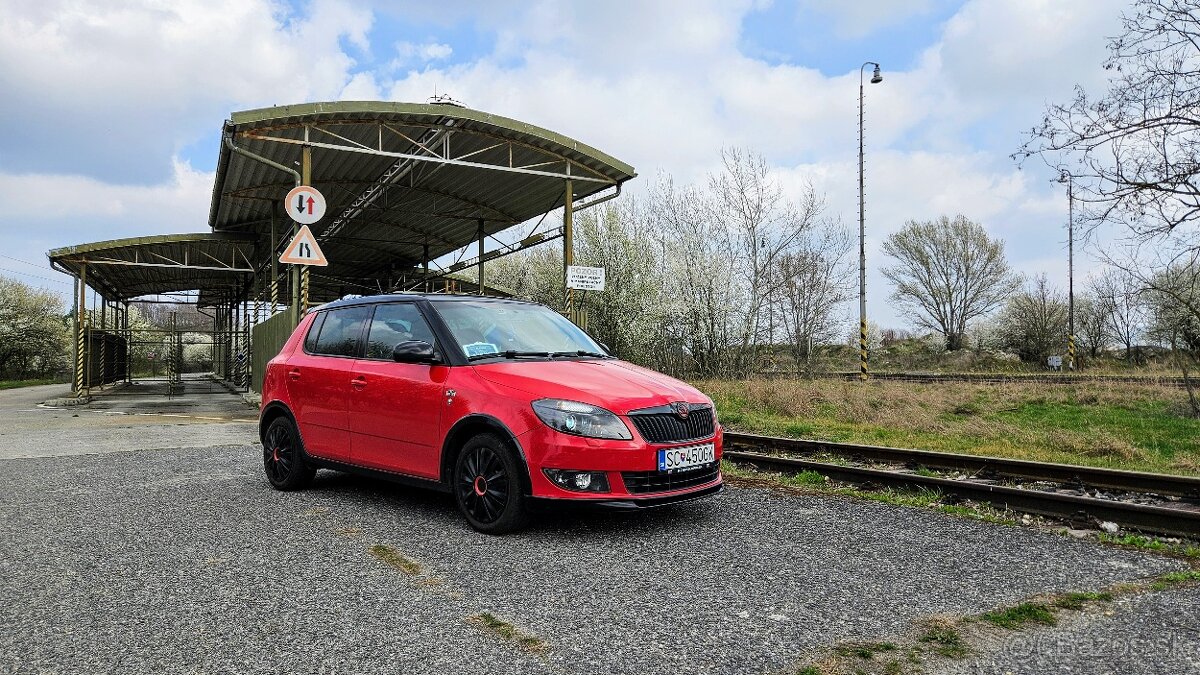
(305, 204)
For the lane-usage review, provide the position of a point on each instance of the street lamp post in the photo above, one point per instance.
(876, 78)
(1067, 178)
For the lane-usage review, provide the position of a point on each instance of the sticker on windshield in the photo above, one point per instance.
(480, 349)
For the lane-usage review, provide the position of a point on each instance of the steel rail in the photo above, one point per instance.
(1143, 517)
(1069, 474)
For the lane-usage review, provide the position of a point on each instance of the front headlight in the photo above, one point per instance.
(581, 419)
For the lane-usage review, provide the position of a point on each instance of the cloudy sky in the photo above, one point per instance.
(112, 110)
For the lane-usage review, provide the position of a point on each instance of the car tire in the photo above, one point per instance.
(487, 485)
(284, 461)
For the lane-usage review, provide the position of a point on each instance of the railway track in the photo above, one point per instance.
(1147, 502)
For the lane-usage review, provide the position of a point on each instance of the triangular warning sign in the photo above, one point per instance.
(303, 250)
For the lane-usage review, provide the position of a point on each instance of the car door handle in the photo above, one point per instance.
(358, 382)
(294, 374)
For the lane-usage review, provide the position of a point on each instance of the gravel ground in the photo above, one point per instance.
(1151, 634)
(183, 560)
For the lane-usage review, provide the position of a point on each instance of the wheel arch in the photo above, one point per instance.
(473, 425)
(273, 411)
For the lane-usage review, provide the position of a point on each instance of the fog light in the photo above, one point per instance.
(578, 481)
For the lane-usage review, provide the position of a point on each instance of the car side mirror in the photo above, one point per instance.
(415, 351)
(604, 347)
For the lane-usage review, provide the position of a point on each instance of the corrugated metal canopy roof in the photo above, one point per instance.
(404, 182)
(216, 264)
(399, 179)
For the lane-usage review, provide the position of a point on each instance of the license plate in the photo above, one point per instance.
(688, 458)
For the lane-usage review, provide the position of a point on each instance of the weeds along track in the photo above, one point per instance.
(1152, 503)
(1002, 378)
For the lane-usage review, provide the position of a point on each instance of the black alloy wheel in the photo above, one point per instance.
(487, 485)
(283, 457)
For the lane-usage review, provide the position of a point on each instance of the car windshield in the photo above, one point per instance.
(486, 329)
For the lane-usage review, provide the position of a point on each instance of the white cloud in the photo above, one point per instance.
(47, 211)
(121, 88)
(409, 52)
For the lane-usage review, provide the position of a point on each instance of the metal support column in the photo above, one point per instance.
(245, 382)
(103, 341)
(80, 388)
(480, 256)
(425, 276)
(274, 262)
(306, 179)
(568, 244)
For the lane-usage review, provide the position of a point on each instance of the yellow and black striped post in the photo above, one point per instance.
(79, 362)
(862, 350)
(303, 293)
(81, 344)
(1071, 352)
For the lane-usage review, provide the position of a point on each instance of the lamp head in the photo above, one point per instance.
(877, 76)
(1064, 177)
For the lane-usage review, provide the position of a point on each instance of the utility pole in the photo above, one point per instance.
(876, 78)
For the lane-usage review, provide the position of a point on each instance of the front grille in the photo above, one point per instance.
(639, 482)
(662, 425)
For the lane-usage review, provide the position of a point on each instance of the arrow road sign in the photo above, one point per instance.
(303, 250)
(305, 204)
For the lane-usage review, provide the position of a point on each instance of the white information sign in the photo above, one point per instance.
(305, 204)
(585, 278)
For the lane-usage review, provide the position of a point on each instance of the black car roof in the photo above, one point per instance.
(401, 297)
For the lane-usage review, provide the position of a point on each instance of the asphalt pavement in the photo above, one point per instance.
(182, 559)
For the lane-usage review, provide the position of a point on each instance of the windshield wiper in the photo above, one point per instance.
(581, 352)
(509, 354)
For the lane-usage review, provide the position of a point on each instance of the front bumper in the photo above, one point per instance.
(638, 503)
(545, 448)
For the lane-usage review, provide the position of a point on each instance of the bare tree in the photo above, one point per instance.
(763, 227)
(1034, 322)
(1134, 151)
(816, 280)
(1120, 294)
(1173, 295)
(947, 273)
(1092, 314)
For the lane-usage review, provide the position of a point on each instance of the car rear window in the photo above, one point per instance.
(341, 330)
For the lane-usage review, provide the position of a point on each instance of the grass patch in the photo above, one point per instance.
(1018, 616)
(1138, 426)
(1150, 544)
(1173, 579)
(17, 384)
(864, 650)
(490, 623)
(945, 641)
(810, 670)
(1079, 600)
(394, 558)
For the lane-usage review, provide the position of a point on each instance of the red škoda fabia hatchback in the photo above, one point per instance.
(497, 401)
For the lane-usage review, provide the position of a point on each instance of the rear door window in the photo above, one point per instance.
(341, 331)
(395, 322)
